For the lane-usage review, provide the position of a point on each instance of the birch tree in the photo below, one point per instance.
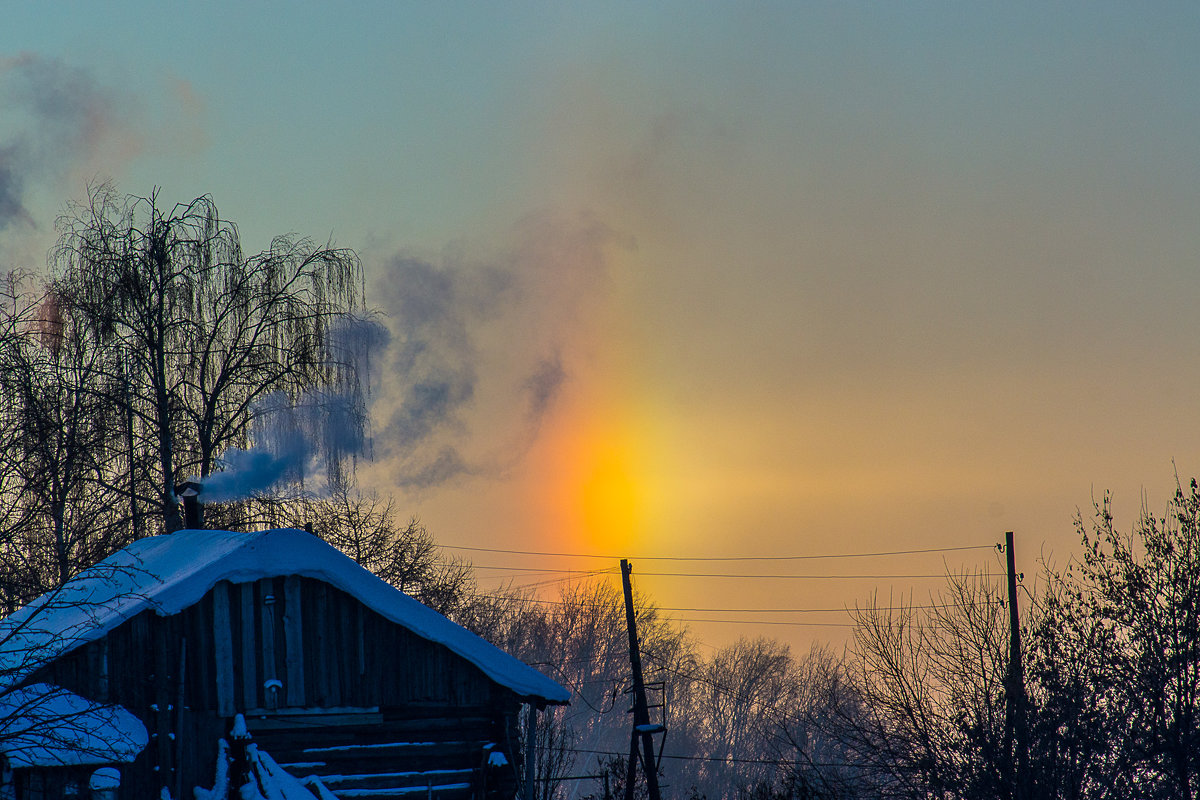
(196, 333)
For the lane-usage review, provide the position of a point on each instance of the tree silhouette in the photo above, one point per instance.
(195, 333)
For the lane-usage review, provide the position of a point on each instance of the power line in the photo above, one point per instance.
(842, 609)
(720, 558)
(770, 622)
(735, 694)
(813, 576)
(538, 570)
(717, 759)
(692, 676)
(571, 577)
(600, 661)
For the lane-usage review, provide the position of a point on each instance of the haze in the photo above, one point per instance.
(694, 280)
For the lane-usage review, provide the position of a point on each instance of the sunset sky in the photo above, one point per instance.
(694, 279)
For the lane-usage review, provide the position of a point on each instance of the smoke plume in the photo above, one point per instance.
(480, 345)
(542, 388)
(297, 442)
(57, 117)
(433, 312)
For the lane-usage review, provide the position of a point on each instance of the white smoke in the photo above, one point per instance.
(295, 442)
(305, 440)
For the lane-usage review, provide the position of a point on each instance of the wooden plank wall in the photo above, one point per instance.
(247, 656)
(326, 648)
(293, 634)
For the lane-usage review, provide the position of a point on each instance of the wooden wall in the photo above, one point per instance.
(324, 647)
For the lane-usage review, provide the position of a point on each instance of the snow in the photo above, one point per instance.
(318, 788)
(43, 725)
(169, 573)
(239, 731)
(220, 790)
(445, 787)
(351, 748)
(249, 791)
(275, 782)
(409, 774)
(105, 778)
(270, 781)
(495, 757)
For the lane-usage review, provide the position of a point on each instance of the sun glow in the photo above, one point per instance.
(593, 492)
(608, 498)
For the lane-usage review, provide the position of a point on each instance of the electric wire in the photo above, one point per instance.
(529, 570)
(796, 623)
(803, 576)
(811, 576)
(720, 558)
(843, 609)
(571, 577)
(711, 759)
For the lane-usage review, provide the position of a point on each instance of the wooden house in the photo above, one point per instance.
(336, 674)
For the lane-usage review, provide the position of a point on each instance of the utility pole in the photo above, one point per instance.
(1016, 740)
(641, 714)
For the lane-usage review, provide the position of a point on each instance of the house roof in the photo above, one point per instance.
(169, 573)
(47, 726)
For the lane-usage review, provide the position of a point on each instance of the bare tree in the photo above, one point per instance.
(752, 721)
(738, 698)
(580, 639)
(60, 429)
(1076, 730)
(1112, 672)
(555, 753)
(366, 527)
(43, 724)
(820, 764)
(930, 688)
(1130, 634)
(196, 333)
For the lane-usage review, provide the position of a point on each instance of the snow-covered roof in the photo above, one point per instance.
(169, 573)
(46, 726)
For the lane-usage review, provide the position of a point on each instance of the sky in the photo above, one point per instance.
(698, 280)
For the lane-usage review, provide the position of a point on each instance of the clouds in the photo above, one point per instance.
(58, 117)
(480, 345)
(65, 125)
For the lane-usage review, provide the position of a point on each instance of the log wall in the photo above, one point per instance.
(323, 647)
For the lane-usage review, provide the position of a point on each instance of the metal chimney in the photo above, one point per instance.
(193, 509)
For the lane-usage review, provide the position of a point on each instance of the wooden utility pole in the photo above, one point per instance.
(641, 713)
(1016, 741)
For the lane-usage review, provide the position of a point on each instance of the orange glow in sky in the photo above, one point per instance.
(607, 498)
(593, 486)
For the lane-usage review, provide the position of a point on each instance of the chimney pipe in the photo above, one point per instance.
(193, 509)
